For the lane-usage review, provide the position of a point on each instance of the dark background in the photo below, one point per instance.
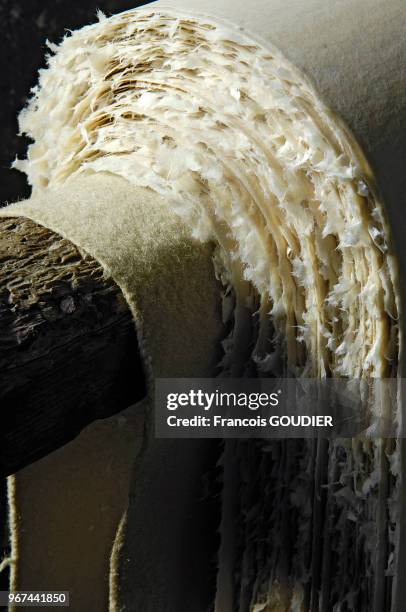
(25, 26)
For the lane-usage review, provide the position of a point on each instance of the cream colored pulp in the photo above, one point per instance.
(245, 152)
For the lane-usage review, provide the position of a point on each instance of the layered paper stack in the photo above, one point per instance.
(237, 168)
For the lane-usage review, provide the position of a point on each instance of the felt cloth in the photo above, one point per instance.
(272, 132)
(67, 507)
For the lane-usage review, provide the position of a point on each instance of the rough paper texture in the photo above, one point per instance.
(233, 119)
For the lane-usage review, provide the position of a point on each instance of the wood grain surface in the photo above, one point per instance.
(68, 347)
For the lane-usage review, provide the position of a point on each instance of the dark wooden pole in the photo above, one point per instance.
(68, 347)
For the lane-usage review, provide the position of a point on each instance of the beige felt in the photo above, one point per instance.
(68, 506)
(166, 276)
(353, 53)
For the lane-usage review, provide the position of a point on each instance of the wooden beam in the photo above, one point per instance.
(68, 346)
